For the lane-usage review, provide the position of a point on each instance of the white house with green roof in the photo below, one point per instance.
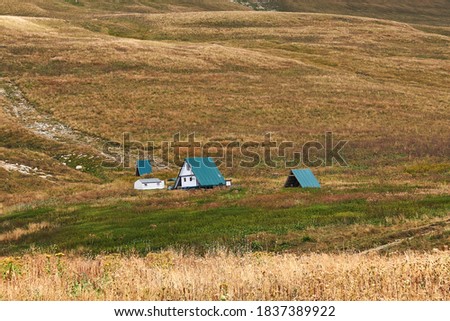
(199, 172)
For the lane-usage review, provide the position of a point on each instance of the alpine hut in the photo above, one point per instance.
(199, 172)
(303, 178)
(143, 167)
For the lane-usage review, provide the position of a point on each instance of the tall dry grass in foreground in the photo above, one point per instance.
(255, 276)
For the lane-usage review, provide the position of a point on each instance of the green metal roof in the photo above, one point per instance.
(306, 178)
(206, 171)
(143, 167)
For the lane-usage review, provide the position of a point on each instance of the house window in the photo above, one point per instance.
(190, 178)
(184, 179)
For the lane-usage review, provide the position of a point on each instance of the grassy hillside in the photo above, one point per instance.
(380, 79)
(76, 8)
(436, 12)
(238, 220)
(76, 75)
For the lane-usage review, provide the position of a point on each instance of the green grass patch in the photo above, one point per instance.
(121, 228)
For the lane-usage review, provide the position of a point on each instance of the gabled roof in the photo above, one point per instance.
(206, 171)
(143, 167)
(306, 178)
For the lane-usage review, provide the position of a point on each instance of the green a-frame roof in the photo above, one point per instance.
(302, 178)
(206, 171)
(143, 167)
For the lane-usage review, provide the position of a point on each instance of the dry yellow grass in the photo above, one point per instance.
(221, 276)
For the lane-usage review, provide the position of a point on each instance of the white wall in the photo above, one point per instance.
(187, 176)
(189, 181)
(149, 186)
(186, 170)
